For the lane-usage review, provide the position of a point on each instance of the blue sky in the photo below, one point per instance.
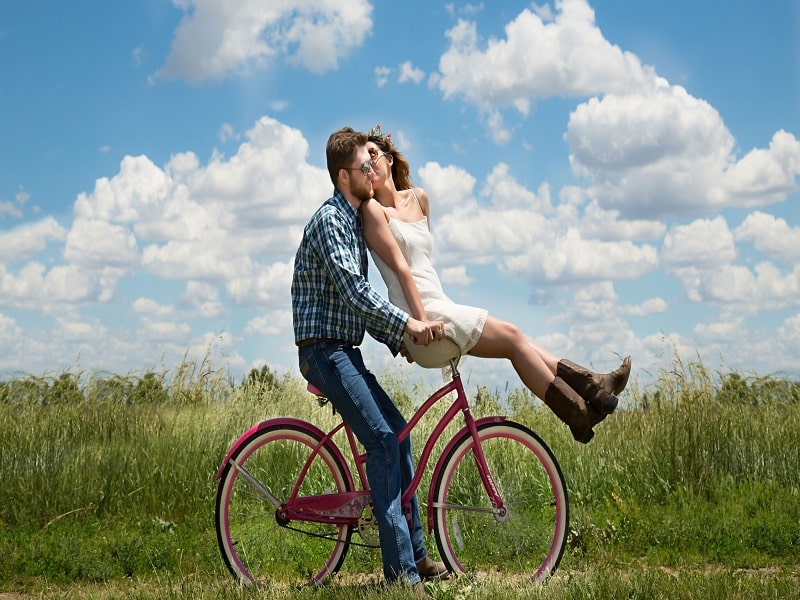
(615, 178)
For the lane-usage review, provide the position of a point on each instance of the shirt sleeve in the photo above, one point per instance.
(336, 239)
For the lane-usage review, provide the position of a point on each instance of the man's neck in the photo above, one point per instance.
(353, 200)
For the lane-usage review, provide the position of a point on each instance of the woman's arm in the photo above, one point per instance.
(380, 240)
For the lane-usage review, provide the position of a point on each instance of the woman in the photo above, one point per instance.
(397, 231)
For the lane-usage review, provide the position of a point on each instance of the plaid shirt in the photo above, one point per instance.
(331, 297)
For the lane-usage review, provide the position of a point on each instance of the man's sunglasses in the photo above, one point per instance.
(365, 168)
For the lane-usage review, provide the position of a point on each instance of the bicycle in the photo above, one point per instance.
(287, 497)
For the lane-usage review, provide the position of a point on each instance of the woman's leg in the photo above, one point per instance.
(550, 359)
(501, 339)
(587, 383)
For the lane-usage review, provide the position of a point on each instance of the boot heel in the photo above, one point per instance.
(607, 405)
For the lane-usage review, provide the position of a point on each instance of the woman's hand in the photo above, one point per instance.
(425, 332)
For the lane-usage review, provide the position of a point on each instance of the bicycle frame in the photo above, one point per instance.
(346, 508)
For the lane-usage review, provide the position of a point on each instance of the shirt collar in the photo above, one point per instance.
(340, 202)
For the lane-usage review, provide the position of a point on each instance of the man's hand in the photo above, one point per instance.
(425, 332)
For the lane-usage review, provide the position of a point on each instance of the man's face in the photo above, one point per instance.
(360, 184)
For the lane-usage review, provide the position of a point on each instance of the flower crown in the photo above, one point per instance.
(378, 133)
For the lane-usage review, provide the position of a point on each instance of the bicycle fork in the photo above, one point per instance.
(498, 507)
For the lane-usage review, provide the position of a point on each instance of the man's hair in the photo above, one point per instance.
(341, 150)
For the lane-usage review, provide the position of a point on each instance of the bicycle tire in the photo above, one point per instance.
(531, 538)
(254, 545)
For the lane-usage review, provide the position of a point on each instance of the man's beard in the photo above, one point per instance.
(362, 192)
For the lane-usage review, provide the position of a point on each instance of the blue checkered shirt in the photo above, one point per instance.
(331, 297)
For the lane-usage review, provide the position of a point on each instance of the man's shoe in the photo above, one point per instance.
(419, 591)
(429, 570)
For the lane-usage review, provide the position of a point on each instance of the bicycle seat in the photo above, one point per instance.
(435, 355)
(315, 390)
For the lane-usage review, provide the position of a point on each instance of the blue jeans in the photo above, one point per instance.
(338, 370)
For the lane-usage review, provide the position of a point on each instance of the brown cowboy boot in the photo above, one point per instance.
(568, 406)
(430, 569)
(597, 389)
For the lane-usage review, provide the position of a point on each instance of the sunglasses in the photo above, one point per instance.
(377, 156)
(365, 168)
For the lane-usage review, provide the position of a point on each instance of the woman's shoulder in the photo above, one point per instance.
(422, 198)
(372, 209)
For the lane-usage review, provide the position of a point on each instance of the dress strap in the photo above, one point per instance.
(417, 199)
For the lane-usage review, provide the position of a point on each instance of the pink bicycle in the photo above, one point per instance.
(287, 502)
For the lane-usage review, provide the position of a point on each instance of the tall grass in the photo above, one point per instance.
(106, 477)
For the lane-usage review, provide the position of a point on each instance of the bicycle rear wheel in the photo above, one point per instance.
(253, 543)
(530, 537)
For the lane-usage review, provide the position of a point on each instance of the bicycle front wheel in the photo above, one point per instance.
(529, 536)
(252, 540)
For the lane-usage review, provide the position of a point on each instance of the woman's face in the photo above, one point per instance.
(381, 164)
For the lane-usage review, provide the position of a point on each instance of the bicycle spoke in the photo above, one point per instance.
(530, 534)
(254, 543)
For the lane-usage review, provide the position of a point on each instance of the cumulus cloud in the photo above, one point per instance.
(410, 73)
(217, 38)
(26, 240)
(646, 147)
(201, 224)
(520, 231)
(567, 56)
(701, 244)
(770, 235)
(275, 322)
(666, 153)
(702, 255)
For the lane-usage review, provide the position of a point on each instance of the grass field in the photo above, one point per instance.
(691, 491)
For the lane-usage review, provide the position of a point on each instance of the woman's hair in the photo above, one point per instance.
(401, 171)
(341, 150)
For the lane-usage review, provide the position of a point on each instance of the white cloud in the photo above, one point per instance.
(136, 192)
(455, 276)
(650, 306)
(608, 225)
(382, 76)
(200, 222)
(262, 285)
(95, 244)
(11, 334)
(165, 331)
(771, 236)
(71, 330)
(451, 186)
(647, 148)
(667, 153)
(217, 38)
(274, 322)
(521, 232)
(26, 240)
(789, 333)
(700, 244)
(36, 289)
(408, 72)
(764, 288)
(566, 57)
(764, 176)
(149, 307)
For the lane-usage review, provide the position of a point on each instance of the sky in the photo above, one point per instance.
(613, 178)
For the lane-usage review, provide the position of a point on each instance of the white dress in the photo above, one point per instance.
(464, 324)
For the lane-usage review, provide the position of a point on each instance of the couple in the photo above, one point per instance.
(333, 305)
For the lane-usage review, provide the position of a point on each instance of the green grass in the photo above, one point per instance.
(108, 488)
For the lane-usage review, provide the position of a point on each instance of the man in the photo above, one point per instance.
(333, 305)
